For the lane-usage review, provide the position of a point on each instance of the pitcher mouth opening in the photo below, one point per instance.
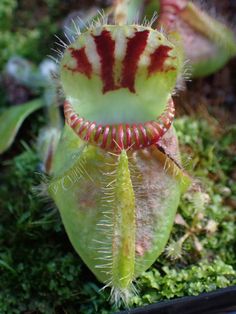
(115, 137)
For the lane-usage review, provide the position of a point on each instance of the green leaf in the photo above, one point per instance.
(5, 265)
(99, 195)
(12, 119)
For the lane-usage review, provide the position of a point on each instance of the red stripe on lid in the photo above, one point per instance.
(82, 63)
(158, 58)
(135, 48)
(106, 48)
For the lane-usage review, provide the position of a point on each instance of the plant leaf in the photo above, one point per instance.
(12, 119)
(98, 195)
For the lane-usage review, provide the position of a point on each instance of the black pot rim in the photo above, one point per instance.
(221, 301)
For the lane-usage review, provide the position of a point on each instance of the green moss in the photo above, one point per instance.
(172, 282)
(7, 8)
(19, 34)
(41, 272)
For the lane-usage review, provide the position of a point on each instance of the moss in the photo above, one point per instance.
(41, 273)
(18, 32)
(173, 282)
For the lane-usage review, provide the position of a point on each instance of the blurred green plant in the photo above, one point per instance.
(11, 120)
(7, 8)
(38, 80)
(18, 36)
(206, 43)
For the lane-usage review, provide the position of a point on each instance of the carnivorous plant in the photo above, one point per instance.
(117, 175)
